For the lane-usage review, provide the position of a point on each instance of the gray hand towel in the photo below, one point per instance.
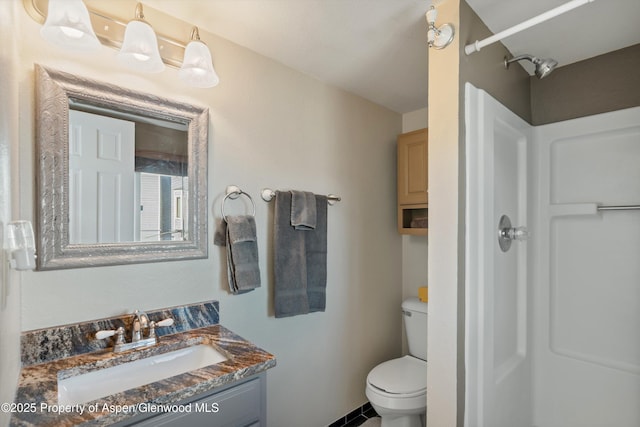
(243, 270)
(303, 210)
(300, 260)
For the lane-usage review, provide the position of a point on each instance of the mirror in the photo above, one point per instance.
(127, 177)
(121, 175)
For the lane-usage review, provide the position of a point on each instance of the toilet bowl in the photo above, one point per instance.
(397, 388)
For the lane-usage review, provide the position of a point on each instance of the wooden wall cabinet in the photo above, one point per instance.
(413, 182)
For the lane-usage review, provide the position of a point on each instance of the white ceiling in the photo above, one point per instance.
(377, 48)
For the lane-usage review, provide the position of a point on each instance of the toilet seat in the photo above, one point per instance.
(402, 377)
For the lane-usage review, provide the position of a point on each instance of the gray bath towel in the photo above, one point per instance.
(243, 270)
(300, 260)
(303, 210)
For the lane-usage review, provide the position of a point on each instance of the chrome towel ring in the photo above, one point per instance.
(233, 192)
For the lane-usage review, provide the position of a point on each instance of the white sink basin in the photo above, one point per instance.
(105, 382)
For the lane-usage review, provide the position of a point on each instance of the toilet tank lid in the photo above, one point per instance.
(414, 304)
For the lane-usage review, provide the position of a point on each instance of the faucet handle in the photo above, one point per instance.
(164, 323)
(161, 324)
(100, 335)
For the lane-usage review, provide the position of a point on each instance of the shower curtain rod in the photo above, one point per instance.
(477, 45)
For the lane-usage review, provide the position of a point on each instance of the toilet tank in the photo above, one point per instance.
(414, 314)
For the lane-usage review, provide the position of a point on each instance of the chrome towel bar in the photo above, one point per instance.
(619, 208)
(268, 195)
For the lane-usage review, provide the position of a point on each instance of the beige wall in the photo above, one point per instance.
(415, 120)
(270, 127)
(414, 248)
(443, 226)
(9, 279)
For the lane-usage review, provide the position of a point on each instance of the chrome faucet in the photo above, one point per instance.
(140, 321)
(138, 339)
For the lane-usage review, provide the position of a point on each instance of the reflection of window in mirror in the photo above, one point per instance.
(160, 213)
(128, 177)
(177, 209)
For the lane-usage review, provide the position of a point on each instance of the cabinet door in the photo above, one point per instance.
(236, 406)
(412, 167)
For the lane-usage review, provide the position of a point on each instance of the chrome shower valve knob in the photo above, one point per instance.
(515, 233)
(507, 233)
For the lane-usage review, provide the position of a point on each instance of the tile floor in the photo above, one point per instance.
(372, 422)
(365, 414)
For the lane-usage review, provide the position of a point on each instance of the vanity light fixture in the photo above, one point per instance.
(68, 26)
(197, 66)
(140, 46)
(22, 245)
(438, 37)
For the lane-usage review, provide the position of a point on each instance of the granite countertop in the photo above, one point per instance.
(36, 403)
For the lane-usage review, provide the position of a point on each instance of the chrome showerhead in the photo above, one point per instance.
(544, 67)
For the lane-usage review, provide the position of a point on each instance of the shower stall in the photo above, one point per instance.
(552, 269)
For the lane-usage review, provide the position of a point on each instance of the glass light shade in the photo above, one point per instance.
(68, 26)
(197, 66)
(22, 245)
(140, 48)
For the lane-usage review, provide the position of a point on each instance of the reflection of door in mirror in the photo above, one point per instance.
(101, 179)
(127, 179)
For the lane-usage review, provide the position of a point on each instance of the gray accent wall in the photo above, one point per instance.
(608, 82)
(604, 83)
(485, 69)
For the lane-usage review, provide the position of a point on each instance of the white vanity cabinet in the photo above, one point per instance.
(240, 404)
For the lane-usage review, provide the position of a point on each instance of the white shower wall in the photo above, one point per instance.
(498, 355)
(586, 284)
(578, 363)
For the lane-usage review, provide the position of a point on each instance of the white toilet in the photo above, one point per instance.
(397, 389)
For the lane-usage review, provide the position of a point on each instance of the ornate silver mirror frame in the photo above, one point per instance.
(54, 250)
